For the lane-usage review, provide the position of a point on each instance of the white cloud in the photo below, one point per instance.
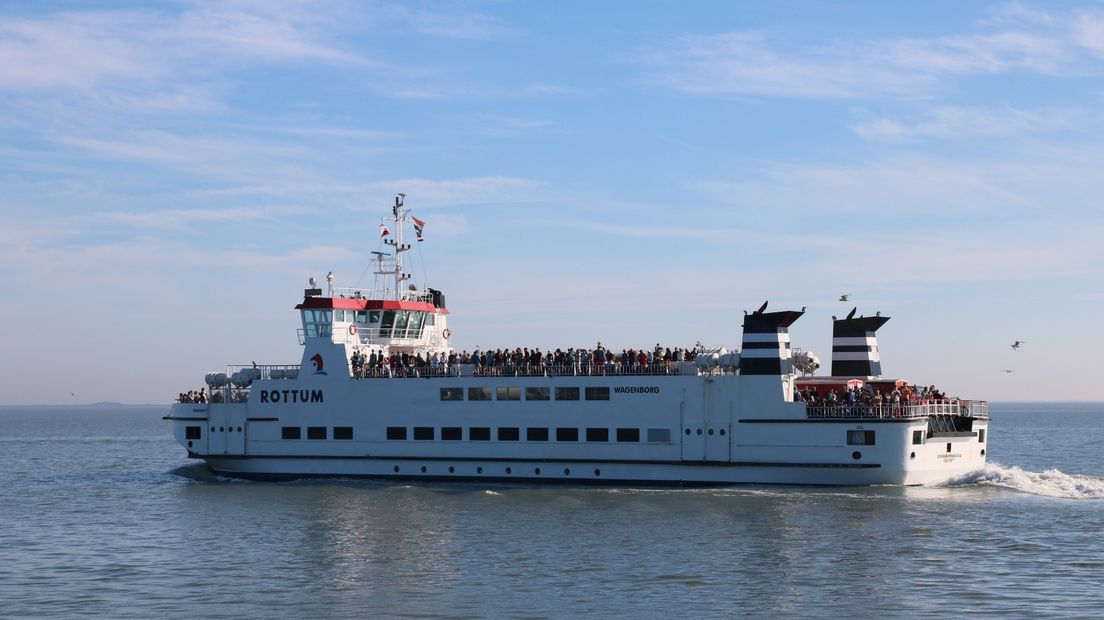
(957, 122)
(753, 63)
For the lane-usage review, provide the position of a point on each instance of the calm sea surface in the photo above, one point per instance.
(101, 514)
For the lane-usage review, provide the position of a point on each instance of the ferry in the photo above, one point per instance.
(380, 393)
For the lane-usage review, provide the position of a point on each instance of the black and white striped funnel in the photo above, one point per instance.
(855, 347)
(766, 346)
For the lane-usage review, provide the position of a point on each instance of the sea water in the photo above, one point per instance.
(102, 514)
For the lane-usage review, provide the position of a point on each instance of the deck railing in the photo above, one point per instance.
(943, 406)
(527, 370)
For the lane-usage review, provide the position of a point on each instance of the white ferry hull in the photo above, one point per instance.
(681, 430)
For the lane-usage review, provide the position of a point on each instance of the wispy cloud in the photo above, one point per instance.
(957, 122)
(755, 63)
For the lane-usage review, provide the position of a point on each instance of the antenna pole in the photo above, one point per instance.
(399, 217)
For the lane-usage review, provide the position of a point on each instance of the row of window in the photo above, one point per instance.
(513, 433)
(531, 393)
(316, 432)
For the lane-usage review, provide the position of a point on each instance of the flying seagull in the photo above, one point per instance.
(1016, 345)
(1008, 370)
(844, 296)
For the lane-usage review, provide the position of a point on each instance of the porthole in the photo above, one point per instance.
(722, 432)
(598, 472)
(710, 431)
(452, 469)
(239, 429)
(687, 431)
(213, 429)
(508, 470)
(222, 429)
(190, 445)
(567, 472)
(699, 431)
(478, 470)
(396, 469)
(537, 471)
(856, 455)
(982, 451)
(423, 469)
(912, 456)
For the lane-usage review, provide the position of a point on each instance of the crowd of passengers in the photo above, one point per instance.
(193, 396)
(598, 360)
(868, 395)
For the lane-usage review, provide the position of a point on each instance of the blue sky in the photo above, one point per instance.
(634, 172)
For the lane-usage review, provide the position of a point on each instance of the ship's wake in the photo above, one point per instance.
(1049, 483)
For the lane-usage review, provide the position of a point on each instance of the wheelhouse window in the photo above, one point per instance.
(567, 393)
(317, 323)
(597, 393)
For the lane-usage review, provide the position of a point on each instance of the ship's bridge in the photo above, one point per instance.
(417, 319)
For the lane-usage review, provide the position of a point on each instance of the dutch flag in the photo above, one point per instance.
(418, 225)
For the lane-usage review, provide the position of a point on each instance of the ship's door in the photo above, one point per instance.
(216, 419)
(692, 433)
(718, 438)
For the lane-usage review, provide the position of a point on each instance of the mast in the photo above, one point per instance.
(398, 216)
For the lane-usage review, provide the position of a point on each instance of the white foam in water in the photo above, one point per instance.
(1050, 483)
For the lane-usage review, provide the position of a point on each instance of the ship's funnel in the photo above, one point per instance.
(855, 347)
(766, 346)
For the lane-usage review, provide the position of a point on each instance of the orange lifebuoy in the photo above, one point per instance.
(352, 330)
(446, 333)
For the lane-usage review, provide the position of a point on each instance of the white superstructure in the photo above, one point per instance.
(380, 393)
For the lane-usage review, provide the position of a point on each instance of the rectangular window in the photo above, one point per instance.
(537, 393)
(917, 437)
(567, 434)
(479, 433)
(316, 432)
(628, 435)
(597, 434)
(343, 432)
(396, 433)
(536, 434)
(291, 432)
(423, 433)
(508, 393)
(193, 432)
(508, 434)
(479, 393)
(362, 317)
(981, 435)
(659, 435)
(451, 433)
(429, 320)
(452, 393)
(860, 438)
(597, 393)
(374, 316)
(567, 393)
